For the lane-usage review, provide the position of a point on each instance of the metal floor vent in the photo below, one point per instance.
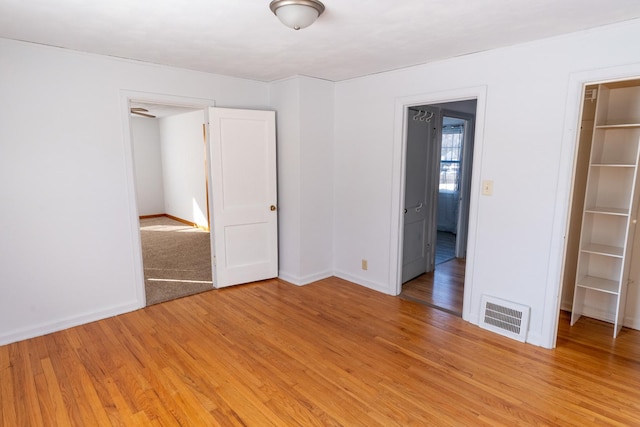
(505, 318)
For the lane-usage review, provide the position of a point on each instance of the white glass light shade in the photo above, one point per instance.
(297, 14)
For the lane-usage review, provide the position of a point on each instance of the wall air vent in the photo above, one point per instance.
(505, 318)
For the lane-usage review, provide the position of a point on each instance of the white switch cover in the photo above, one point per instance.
(487, 187)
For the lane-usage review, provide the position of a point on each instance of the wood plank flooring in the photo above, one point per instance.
(327, 354)
(442, 288)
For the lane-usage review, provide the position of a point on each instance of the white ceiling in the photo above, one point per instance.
(352, 38)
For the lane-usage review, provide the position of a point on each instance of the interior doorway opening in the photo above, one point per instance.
(243, 210)
(171, 185)
(439, 145)
(142, 113)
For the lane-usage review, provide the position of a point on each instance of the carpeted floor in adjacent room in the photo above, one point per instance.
(176, 258)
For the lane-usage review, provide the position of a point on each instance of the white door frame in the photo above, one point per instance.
(397, 188)
(564, 193)
(127, 96)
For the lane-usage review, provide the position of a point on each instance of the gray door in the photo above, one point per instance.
(421, 191)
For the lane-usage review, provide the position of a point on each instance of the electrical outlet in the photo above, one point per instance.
(487, 187)
(365, 264)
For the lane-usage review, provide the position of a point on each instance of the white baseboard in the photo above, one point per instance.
(304, 280)
(472, 317)
(534, 338)
(384, 288)
(59, 325)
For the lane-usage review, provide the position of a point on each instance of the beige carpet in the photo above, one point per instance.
(176, 258)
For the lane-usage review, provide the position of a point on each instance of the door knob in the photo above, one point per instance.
(273, 207)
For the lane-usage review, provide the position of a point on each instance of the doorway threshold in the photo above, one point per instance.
(423, 302)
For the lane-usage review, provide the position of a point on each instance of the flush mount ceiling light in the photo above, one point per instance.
(297, 14)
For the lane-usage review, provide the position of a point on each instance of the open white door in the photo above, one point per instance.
(244, 192)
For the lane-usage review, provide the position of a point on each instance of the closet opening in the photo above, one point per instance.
(601, 268)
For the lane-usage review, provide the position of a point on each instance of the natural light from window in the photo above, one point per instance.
(451, 154)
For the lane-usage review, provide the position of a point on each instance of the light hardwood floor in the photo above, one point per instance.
(330, 353)
(442, 288)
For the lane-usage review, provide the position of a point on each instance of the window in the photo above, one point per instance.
(451, 153)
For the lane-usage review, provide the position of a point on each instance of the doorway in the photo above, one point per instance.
(439, 162)
(170, 169)
(162, 105)
(602, 210)
(243, 209)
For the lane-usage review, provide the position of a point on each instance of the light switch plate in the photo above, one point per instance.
(487, 187)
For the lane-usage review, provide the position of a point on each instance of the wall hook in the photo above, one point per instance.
(430, 116)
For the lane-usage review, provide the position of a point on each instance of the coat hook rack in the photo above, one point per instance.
(423, 116)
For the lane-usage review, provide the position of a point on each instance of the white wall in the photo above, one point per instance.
(67, 245)
(305, 177)
(183, 166)
(517, 249)
(145, 135)
(284, 96)
(316, 130)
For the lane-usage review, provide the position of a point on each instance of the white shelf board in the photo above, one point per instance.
(614, 165)
(606, 250)
(607, 211)
(619, 126)
(599, 284)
